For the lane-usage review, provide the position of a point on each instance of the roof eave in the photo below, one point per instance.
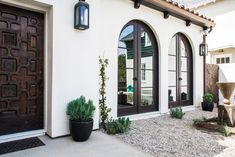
(179, 12)
(222, 47)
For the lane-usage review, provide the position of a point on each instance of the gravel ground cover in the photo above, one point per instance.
(167, 137)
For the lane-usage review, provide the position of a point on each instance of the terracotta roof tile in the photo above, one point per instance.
(188, 9)
(195, 3)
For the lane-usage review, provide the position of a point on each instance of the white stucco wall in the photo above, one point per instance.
(219, 7)
(223, 12)
(72, 67)
(225, 75)
(223, 34)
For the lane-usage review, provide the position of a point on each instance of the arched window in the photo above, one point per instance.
(180, 72)
(137, 69)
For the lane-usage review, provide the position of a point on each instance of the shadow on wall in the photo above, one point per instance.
(222, 76)
(226, 74)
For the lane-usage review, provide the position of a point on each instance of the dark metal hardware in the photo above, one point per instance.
(135, 79)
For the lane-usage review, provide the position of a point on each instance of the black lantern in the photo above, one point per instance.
(81, 15)
(203, 49)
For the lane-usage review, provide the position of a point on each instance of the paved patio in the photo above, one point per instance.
(99, 145)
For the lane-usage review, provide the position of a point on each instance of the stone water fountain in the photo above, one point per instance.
(226, 111)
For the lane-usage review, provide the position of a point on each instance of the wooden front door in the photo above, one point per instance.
(21, 70)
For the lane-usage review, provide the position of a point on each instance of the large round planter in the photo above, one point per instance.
(80, 130)
(207, 106)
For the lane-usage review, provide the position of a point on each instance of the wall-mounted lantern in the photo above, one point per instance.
(81, 15)
(203, 49)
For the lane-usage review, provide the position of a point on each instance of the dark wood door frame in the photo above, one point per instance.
(155, 107)
(137, 71)
(179, 102)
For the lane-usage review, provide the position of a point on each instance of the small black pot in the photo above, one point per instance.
(80, 130)
(207, 106)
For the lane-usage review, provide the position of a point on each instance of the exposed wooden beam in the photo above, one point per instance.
(166, 14)
(137, 3)
(205, 28)
(178, 12)
(188, 23)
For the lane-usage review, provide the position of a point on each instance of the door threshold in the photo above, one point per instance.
(143, 115)
(186, 108)
(22, 135)
(156, 113)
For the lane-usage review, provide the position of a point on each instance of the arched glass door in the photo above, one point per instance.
(180, 72)
(137, 70)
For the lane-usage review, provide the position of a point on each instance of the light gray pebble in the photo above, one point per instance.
(167, 137)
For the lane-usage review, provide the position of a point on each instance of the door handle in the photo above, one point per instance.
(180, 78)
(40, 83)
(135, 79)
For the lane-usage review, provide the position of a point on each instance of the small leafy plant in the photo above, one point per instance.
(144, 101)
(208, 98)
(224, 129)
(202, 123)
(199, 121)
(120, 125)
(80, 110)
(177, 113)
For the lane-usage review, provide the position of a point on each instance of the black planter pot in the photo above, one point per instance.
(80, 131)
(207, 106)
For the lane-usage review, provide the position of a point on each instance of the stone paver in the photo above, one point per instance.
(99, 145)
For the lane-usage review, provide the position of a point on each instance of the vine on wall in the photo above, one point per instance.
(104, 110)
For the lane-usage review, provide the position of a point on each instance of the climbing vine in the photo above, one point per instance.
(104, 110)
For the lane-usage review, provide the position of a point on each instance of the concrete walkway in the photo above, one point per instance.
(99, 145)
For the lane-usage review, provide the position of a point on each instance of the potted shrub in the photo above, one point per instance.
(207, 104)
(80, 115)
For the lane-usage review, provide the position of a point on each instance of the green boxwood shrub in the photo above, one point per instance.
(177, 113)
(120, 125)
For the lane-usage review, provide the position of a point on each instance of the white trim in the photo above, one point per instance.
(144, 115)
(188, 108)
(28, 5)
(44, 9)
(23, 135)
(157, 113)
(222, 47)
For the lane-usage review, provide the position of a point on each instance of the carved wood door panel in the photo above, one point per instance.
(21, 70)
